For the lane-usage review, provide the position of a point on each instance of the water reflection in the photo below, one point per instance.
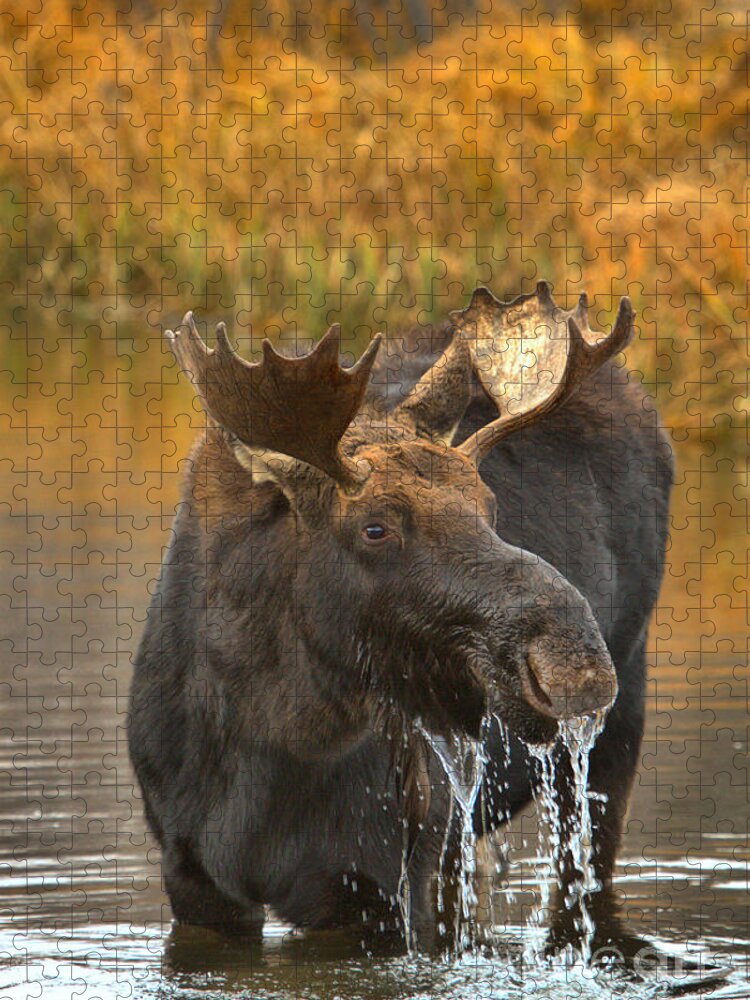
(189, 962)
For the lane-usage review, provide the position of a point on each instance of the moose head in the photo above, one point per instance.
(400, 582)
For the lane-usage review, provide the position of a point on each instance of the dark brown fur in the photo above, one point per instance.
(284, 664)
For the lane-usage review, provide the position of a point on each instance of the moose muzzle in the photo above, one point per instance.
(565, 676)
(551, 654)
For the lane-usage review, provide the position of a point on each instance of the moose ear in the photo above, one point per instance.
(438, 401)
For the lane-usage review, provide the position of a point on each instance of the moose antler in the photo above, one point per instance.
(298, 407)
(530, 355)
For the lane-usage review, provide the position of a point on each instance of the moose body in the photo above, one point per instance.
(289, 661)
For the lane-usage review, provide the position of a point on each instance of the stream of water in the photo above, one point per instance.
(464, 761)
(561, 835)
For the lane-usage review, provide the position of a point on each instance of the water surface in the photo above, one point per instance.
(82, 911)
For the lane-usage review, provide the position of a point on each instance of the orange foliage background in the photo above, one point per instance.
(287, 165)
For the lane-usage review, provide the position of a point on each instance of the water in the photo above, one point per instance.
(549, 848)
(464, 762)
(82, 908)
(578, 737)
(556, 838)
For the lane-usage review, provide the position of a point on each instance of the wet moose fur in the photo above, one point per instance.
(276, 683)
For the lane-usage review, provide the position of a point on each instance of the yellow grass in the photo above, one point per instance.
(290, 169)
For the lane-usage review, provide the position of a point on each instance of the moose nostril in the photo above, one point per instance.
(536, 670)
(540, 695)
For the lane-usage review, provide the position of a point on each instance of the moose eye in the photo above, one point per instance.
(375, 532)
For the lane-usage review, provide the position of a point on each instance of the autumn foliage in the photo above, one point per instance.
(289, 165)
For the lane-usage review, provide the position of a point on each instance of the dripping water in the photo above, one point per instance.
(464, 761)
(404, 896)
(497, 797)
(556, 838)
(547, 850)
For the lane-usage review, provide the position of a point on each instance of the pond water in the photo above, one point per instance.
(82, 911)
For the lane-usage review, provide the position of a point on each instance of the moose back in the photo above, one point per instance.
(469, 528)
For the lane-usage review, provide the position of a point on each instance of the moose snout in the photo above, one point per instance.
(566, 679)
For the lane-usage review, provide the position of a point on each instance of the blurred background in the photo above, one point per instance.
(284, 166)
(288, 165)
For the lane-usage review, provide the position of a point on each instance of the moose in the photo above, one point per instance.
(463, 536)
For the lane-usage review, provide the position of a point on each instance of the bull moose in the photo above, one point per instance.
(470, 528)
